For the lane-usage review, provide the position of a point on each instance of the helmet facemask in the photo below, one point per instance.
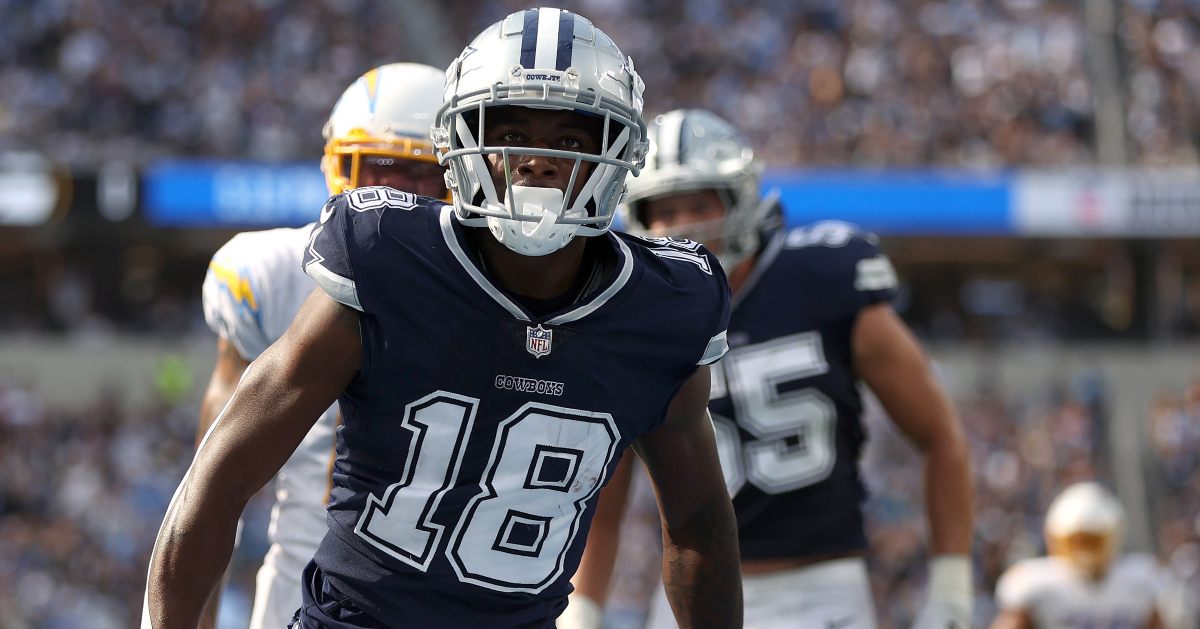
(537, 221)
(385, 117)
(348, 157)
(695, 150)
(541, 59)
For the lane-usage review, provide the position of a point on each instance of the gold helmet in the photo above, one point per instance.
(383, 120)
(1085, 525)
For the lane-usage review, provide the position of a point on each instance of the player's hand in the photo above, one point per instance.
(939, 615)
(951, 594)
(581, 613)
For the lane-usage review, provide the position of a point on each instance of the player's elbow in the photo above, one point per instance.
(712, 525)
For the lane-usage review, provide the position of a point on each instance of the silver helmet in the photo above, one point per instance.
(543, 59)
(694, 149)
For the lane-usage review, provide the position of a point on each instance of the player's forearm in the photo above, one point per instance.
(215, 399)
(702, 568)
(599, 556)
(190, 555)
(949, 496)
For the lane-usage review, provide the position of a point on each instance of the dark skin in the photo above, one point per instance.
(403, 174)
(887, 358)
(286, 389)
(221, 386)
(892, 364)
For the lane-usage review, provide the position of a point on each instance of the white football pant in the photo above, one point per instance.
(832, 594)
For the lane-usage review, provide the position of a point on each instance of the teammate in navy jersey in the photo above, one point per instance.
(811, 318)
(490, 367)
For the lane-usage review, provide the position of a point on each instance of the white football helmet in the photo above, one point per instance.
(1085, 525)
(388, 113)
(694, 149)
(543, 59)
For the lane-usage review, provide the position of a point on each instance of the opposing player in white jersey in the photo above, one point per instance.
(811, 321)
(1083, 583)
(377, 134)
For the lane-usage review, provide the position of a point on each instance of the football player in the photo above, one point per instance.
(811, 320)
(491, 359)
(1082, 583)
(377, 134)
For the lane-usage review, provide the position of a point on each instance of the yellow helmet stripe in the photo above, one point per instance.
(371, 79)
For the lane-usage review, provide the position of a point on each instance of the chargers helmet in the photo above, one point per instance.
(543, 59)
(694, 149)
(386, 113)
(1085, 525)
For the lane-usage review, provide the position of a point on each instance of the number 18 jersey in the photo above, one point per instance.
(477, 434)
(785, 399)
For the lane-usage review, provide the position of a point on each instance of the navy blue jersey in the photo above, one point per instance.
(476, 436)
(785, 398)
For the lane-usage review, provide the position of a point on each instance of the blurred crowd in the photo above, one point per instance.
(83, 490)
(970, 83)
(1024, 450)
(1173, 471)
(81, 496)
(82, 493)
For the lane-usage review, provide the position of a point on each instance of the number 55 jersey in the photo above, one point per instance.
(477, 434)
(785, 399)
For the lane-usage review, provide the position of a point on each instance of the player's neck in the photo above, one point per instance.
(537, 277)
(740, 273)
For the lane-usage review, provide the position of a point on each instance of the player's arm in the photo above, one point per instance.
(701, 562)
(1012, 619)
(282, 394)
(891, 362)
(226, 373)
(591, 580)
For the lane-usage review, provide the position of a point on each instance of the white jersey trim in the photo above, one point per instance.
(516, 311)
(338, 287)
(603, 297)
(464, 261)
(764, 262)
(717, 346)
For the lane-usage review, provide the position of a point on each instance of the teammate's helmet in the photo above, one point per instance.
(691, 150)
(544, 59)
(385, 114)
(1085, 525)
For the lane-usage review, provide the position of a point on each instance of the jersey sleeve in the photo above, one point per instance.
(232, 297)
(327, 260)
(855, 272)
(718, 343)
(1015, 589)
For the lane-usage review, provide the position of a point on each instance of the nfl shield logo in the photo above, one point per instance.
(537, 341)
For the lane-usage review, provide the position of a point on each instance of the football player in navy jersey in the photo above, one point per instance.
(377, 134)
(491, 359)
(811, 319)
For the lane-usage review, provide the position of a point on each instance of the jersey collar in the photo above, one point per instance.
(576, 312)
(764, 262)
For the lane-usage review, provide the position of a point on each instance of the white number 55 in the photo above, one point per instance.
(794, 427)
